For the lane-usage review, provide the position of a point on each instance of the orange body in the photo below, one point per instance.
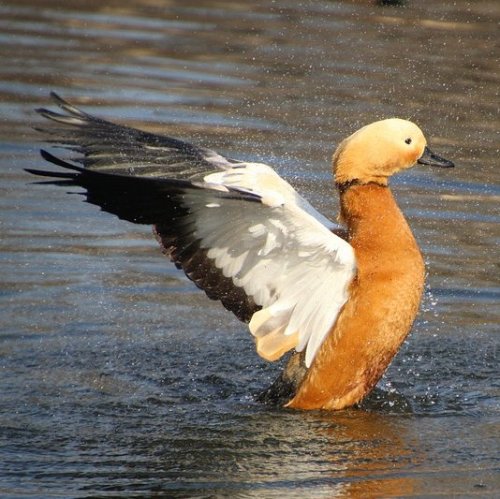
(384, 300)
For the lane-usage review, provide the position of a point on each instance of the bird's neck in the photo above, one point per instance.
(373, 217)
(383, 302)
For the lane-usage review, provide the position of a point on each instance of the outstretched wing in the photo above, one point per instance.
(237, 229)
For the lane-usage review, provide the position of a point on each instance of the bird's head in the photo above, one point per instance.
(381, 149)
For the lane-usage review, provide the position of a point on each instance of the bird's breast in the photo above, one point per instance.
(383, 302)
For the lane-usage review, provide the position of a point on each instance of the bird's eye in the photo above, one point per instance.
(408, 140)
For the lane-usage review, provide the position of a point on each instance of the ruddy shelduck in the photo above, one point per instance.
(342, 299)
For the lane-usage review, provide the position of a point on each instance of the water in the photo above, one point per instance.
(117, 378)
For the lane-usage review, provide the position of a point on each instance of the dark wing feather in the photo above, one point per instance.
(200, 269)
(105, 146)
(143, 178)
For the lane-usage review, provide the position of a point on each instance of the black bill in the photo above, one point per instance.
(429, 158)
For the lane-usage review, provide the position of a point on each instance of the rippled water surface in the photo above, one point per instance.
(117, 377)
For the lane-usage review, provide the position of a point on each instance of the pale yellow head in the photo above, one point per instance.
(377, 151)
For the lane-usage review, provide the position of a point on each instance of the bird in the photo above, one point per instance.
(339, 298)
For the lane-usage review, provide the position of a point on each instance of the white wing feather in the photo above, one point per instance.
(272, 243)
(280, 251)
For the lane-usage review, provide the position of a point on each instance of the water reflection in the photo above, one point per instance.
(269, 454)
(383, 453)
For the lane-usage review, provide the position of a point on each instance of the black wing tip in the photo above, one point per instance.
(65, 177)
(57, 98)
(64, 105)
(47, 113)
(47, 156)
(56, 178)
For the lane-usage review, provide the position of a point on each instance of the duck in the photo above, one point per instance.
(339, 298)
